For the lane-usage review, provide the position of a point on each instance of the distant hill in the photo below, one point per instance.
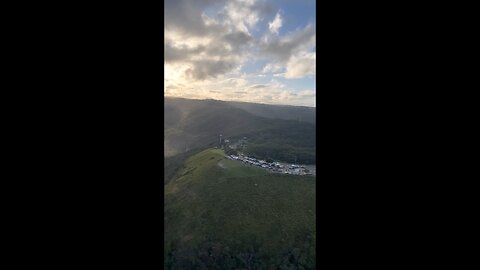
(305, 114)
(222, 214)
(198, 123)
(193, 124)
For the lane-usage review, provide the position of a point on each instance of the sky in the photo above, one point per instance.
(260, 51)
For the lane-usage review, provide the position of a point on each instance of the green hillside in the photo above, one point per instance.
(172, 164)
(221, 214)
(191, 124)
(300, 113)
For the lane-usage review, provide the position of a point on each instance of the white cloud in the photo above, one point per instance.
(306, 93)
(275, 24)
(237, 89)
(241, 15)
(272, 68)
(301, 65)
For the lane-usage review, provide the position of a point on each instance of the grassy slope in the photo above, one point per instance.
(206, 203)
(174, 163)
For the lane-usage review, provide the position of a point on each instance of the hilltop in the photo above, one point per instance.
(222, 214)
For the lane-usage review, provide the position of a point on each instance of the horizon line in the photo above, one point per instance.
(273, 104)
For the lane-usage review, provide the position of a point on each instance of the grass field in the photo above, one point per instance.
(222, 214)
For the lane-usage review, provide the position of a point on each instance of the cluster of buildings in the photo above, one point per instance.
(271, 166)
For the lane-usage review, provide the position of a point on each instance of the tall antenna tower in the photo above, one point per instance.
(220, 140)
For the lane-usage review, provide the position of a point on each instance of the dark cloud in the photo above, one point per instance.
(283, 48)
(217, 48)
(259, 86)
(224, 46)
(215, 57)
(176, 54)
(208, 68)
(201, 69)
(264, 8)
(185, 16)
(237, 39)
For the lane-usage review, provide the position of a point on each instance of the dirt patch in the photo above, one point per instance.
(221, 165)
(187, 237)
(189, 171)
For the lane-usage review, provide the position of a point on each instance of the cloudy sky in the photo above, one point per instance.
(245, 50)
